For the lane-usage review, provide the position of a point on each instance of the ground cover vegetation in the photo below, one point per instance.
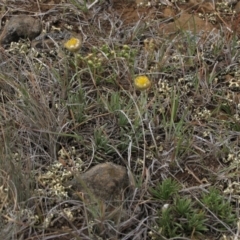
(165, 106)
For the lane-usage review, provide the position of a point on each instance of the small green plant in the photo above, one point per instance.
(122, 120)
(195, 222)
(76, 105)
(81, 6)
(190, 219)
(166, 223)
(103, 61)
(115, 102)
(101, 141)
(165, 190)
(99, 138)
(219, 206)
(182, 205)
(180, 215)
(181, 219)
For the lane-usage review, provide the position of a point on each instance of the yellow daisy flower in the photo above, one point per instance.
(73, 44)
(142, 83)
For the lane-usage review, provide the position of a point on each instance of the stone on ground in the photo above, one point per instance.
(21, 26)
(105, 181)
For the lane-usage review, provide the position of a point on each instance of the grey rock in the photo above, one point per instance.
(105, 181)
(22, 26)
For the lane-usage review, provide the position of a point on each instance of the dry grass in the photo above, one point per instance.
(66, 112)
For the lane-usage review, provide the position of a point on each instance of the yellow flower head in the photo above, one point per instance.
(73, 44)
(142, 83)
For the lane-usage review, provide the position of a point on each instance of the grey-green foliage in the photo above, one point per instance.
(77, 104)
(100, 139)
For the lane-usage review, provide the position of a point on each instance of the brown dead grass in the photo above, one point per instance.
(47, 109)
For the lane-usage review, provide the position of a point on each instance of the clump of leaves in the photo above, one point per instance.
(191, 219)
(182, 217)
(219, 206)
(165, 190)
(179, 216)
(103, 61)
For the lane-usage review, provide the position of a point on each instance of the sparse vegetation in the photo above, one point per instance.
(164, 105)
